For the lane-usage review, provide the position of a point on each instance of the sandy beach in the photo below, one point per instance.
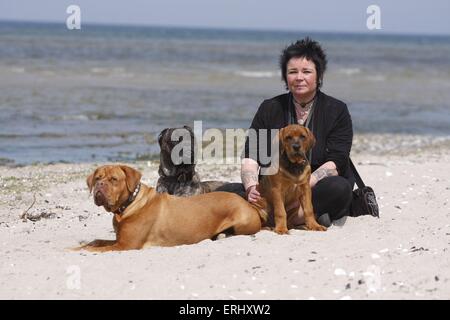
(403, 255)
(88, 84)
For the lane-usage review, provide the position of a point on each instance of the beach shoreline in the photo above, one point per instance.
(402, 255)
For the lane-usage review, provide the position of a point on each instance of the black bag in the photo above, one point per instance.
(364, 200)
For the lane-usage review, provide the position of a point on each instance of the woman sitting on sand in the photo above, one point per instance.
(303, 65)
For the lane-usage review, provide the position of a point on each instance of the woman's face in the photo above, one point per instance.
(301, 77)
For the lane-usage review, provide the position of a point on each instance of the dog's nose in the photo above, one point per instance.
(296, 146)
(100, 185)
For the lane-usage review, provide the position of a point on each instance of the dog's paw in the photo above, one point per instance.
(281, 230)
(315, 227)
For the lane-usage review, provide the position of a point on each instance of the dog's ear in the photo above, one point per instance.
(310, 139)
(90, 180)
(132, 177)
(189, 129)
(161, 135)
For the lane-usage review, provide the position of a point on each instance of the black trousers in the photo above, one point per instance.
(331, 195)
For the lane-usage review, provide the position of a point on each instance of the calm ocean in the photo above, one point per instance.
(105, 92)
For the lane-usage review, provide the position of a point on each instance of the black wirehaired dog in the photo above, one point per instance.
(180, 178)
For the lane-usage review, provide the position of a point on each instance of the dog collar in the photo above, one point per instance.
(130, 199)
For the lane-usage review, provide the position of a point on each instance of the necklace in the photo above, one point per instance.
(302, 113)
(302, 110)
(303, 104)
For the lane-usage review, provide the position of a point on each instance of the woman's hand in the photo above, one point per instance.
(249, 176)
(252, 194)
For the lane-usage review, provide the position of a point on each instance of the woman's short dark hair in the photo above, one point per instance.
(305, 48)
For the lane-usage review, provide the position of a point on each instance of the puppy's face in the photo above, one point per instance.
(112, 185)
(296, 141)
(165, 141)
(177, 149)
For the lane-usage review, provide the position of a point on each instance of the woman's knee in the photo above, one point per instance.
(337, 186)
(342, 187)
(332, 195)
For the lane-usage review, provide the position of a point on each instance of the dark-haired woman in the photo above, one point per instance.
(303, 65)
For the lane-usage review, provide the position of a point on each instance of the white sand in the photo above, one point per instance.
(403, 255)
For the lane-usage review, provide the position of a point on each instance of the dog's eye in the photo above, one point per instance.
(302, 137)
(289, 138)
(113, 179)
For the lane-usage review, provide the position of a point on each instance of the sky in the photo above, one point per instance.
(396, 16)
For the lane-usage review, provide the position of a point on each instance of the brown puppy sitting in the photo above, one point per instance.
(143, 217)
(290, 185)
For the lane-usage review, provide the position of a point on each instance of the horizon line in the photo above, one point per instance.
(222, 28)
